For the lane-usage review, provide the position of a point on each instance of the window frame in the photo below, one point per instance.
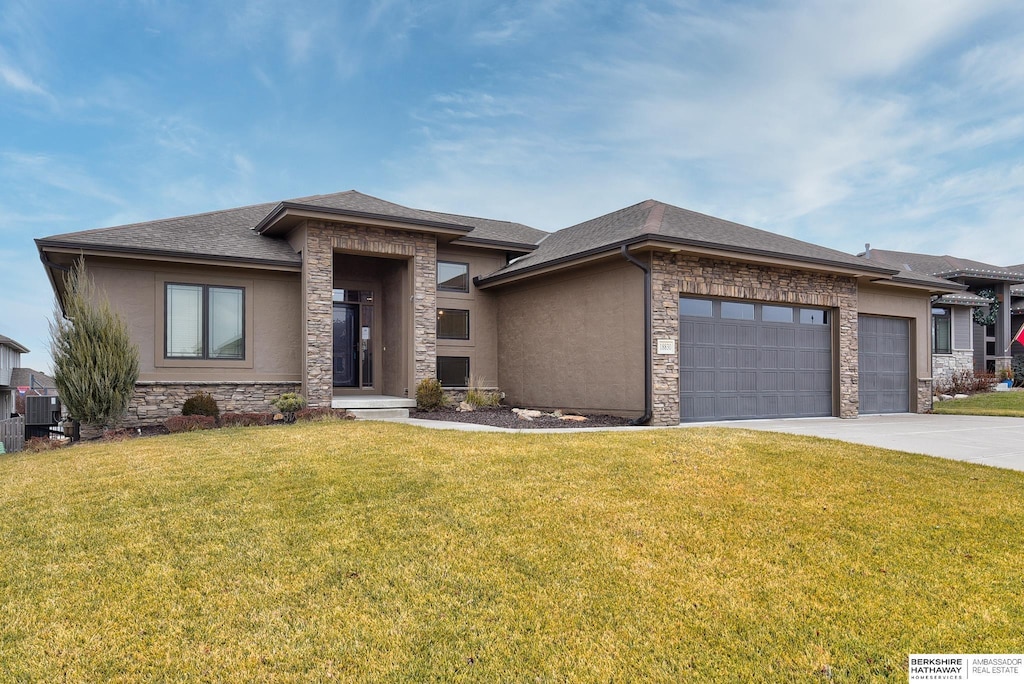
(441, 309)
(453, 263)
(206, 328)
(437, 369)
(948, 318)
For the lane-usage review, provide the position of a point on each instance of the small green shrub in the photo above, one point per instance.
(289, 402)
(430, 395)
(1017, 365)
(189, 423)
(201, 404)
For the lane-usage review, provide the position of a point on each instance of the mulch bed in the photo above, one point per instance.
(502, 416)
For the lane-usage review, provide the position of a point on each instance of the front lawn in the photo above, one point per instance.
(362, 551)
(984, 404)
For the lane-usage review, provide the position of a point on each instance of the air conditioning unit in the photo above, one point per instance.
(42, 410)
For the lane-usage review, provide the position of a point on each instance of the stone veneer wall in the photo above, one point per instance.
(944, 365)
(155, 401)
(675, 275)
(322, 240)
(925, 396)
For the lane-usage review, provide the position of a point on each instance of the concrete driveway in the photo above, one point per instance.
(977, 439)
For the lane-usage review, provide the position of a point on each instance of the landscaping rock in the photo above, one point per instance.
(946, 397)
(960, 396)
(465, 407)
(527, 414)
(578, 419)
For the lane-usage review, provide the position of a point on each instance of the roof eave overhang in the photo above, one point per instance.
(982, 275)
(505, 246)
(929, 285)
(60, 247)
(661, 243)
(287, 215)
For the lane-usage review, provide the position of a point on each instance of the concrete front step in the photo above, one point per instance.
(379, 413)
(371, 402)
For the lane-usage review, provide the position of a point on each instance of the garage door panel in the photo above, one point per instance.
(755, 369)
(884, 364)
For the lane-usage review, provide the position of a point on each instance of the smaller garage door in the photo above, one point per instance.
(884, 358)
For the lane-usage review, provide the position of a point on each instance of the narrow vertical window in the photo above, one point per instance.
(942, 331)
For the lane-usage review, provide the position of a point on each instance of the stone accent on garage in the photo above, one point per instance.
(675, 275)
(925, 396)
(154, 402)
(322, 240)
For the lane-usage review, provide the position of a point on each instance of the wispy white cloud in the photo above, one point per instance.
(796, 118)
(17, 80)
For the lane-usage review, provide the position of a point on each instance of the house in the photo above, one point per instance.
(969, 333)
(29, 382)
(652, 311)
(10, 359)
(1016, 310)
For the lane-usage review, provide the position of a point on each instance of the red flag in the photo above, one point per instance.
(1019, 337)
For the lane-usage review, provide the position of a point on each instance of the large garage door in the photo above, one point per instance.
(884, 360)
(750, 360)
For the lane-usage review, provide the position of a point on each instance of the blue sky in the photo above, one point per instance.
(899, 123)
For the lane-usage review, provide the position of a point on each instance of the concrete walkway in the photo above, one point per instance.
(989, 440)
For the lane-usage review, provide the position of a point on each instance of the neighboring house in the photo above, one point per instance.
(1017, 310)
(34, 384)
(959, 341)
(652, 311)
(10, 359)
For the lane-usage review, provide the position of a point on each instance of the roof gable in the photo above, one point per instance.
(655, 220)
(229, 234)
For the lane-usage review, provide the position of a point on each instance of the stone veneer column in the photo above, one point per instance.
(674, 275)
(322, 240)
(318, 315)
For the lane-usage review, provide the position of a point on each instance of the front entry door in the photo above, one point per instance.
(346, 345)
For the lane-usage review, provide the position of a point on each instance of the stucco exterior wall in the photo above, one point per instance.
(679, 274)
(915, 305)
(574, 340)
(272, 352)
(482, 346)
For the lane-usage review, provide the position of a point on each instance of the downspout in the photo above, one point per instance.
(648, 339)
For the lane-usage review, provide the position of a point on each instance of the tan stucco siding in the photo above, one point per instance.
(482, 346)
(575, 340)
(915, 305)
(272, 319)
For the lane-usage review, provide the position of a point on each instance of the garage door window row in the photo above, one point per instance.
(750, 311)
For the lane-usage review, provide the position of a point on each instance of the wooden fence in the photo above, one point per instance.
(12, 434)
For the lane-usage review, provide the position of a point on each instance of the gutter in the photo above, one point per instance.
(648, 339)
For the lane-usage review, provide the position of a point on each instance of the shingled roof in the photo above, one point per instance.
(229, 234)
(945, 266)
(655, 220)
